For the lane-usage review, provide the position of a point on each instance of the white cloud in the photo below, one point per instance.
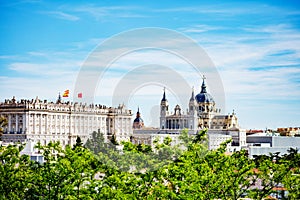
(200, 28)
(225, 9)
(49, 64)
(44, 69)
(39, 73)
(103, 12)
(61, 15)
(260, 69)
(29, 88)
(250, 73)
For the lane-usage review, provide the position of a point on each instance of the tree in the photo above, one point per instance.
(113, 140)
(3, 123)
(65, 174)
(135, 173)
(78, 143)
(97, 143)
(291, 180)
(15, 172)
(185, 138)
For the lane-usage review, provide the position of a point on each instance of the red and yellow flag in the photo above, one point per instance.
(66, 93)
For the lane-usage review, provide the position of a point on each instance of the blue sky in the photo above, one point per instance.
(254, 45)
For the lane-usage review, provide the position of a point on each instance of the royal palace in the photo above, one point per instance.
(43, 121)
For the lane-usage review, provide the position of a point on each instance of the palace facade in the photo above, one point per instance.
(42, 121)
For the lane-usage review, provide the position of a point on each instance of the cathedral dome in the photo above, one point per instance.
(138, 120)
(203, 96)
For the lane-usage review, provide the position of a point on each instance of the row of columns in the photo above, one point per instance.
(123, 124)
(16, 127)
(176, 124)
(44, 123)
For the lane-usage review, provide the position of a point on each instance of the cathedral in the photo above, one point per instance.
(202, 113)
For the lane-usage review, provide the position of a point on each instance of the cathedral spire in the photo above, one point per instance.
(203, 87)
(164, 95)
(138, 114)
(193, 95)
(59, 98)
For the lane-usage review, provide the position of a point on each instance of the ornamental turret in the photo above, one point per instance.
(164, 105)
(192, 104)
(164, 110)
(138, 121)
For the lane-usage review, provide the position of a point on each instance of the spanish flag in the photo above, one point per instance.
(66, 93)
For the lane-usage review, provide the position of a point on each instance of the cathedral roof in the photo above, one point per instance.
(138, 117)
(203, 96)
(164, 95)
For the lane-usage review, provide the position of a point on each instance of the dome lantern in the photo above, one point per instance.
(203, 96)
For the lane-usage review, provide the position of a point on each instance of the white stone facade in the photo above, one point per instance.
(42, 121)
(201, 113)
(215, 140)
(148, 136)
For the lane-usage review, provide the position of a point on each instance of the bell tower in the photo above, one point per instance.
(193, 104)
(206, 106)
(164, 110)
(193, 114)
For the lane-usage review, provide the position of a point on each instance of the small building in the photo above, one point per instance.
(34, 154)
(264, 145)
(289, 131)
(215, 140)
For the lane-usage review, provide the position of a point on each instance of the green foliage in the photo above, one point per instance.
(185, 138)
(193, 173)
(97, 143)
(63, 175)
(3, 123)
(14, 172)
(200, 136)
(291, 180)
(113, 140)
(78, 143)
